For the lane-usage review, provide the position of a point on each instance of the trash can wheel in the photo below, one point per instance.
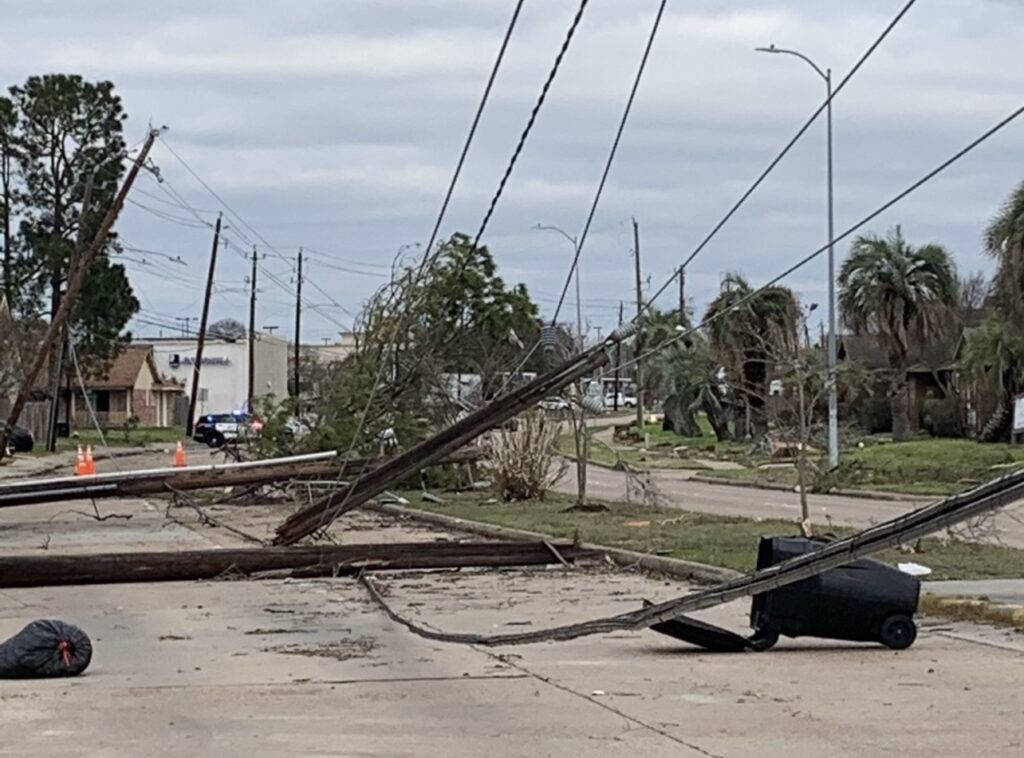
(898, 632)
(763, 639)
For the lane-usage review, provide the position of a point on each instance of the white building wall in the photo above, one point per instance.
(225, 371)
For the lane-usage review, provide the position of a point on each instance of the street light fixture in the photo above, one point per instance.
(833, 403)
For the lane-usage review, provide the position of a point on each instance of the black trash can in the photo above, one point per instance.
(864, 601)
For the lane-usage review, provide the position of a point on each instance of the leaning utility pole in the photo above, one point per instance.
(252, 332)
(638, 345)
(201, 342)
(61, 353)
(298, 326)
(74, 288)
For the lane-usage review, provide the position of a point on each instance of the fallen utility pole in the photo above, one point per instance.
(162, 480)
(889, 534)
(325, 560)
(74, 288)
(321, 513)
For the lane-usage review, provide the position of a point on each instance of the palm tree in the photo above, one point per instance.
(747, 333)
(896, 292)
(996, 350)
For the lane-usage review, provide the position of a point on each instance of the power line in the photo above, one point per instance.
(472, 130)
(850, 230)
(611, 155)
(249, 227)
(782, 154)
(530, 121)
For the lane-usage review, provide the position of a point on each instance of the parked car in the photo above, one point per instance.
(554, 404)
(214, 429)
(626, 400)
(21, 440)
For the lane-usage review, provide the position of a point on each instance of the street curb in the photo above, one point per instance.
(974, 609)
(895, 497)
(677, 569)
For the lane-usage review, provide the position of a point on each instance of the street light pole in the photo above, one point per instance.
(833, 402)
(582, 442)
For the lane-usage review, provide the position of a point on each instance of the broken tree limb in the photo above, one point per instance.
(157, 481)
(900, 530)
(321, 513)
(122, 568)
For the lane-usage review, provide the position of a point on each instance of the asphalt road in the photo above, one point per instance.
(675, 489)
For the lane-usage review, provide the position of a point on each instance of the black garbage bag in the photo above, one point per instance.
(45, 648)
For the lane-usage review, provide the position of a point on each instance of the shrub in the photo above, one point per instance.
(524, 463)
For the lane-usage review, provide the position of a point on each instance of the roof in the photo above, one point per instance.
(931, 355)
(124, 371)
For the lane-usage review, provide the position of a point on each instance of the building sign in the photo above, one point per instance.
(208, 360)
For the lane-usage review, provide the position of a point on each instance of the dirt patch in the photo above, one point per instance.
(340, 650)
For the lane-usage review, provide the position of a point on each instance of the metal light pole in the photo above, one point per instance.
(582, 443)
(833, 402)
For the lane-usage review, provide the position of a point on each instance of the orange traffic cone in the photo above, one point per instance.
(80, 467)
(179, 456)
(90, 464)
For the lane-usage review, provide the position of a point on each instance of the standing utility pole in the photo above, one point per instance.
(298, 325)
(639, 342)
(252, 332)
(682, 296)
(74, 288)
(618, 364)
(201, 342)
(830, 381)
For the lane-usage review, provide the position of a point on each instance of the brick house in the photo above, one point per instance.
(132, 387)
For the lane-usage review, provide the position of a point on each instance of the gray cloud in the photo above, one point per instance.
(336, 126)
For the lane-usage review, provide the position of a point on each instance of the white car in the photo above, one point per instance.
(554, 404)
(626, 400)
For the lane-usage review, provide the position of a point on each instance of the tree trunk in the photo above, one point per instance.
(742, 426)
(679, 418)
(719, 421)
(900, 408)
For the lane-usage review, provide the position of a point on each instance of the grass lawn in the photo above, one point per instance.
(716, 540)
(116, 438)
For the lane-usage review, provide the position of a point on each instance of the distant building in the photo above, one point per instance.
(132, 388)
(332, 352)
(224, 378)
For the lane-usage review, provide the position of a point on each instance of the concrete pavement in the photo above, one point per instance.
(312, 667)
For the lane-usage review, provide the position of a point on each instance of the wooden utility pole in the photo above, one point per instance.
(201, 342)
(682, 296)
(60, 354)
(618, 364)
(298, 333)
(74, 288)
(639, 342)
(252, 332)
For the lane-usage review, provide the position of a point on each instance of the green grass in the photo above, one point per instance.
(725, 541)
(116, 437)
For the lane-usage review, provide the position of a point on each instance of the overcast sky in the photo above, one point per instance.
(335, 125)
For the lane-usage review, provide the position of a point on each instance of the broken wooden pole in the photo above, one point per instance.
(330, 560)
(321, 513)
(157, 481)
